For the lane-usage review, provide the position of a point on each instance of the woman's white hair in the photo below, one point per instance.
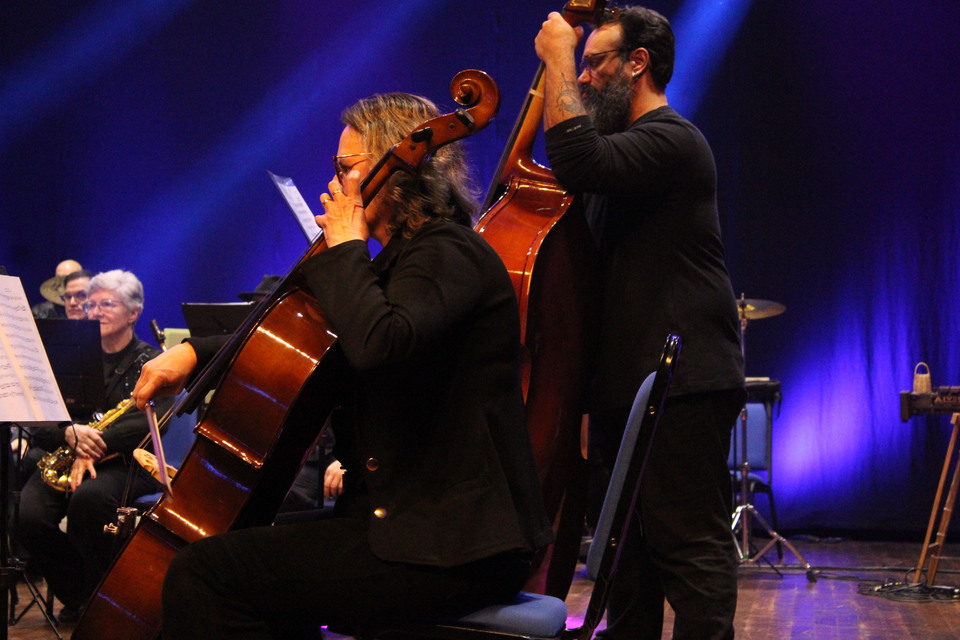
(123, 283)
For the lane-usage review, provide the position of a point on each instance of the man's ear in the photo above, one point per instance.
(639, 62)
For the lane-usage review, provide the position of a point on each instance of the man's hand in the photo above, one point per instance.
(556, 46)
(557, 40)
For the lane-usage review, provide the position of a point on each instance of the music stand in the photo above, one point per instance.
(76, 357)
(71, 346)
(215, 318)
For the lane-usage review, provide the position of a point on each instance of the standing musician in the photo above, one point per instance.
(441, 511)
(649, 185)
(74, 562)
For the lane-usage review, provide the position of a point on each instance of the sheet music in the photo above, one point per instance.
(28, 390)
(297, 205)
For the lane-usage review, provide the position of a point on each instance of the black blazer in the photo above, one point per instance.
(431, 428)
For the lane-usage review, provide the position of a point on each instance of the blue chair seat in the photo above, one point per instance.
(531, 614)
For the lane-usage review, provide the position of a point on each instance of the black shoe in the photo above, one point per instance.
(68, 616)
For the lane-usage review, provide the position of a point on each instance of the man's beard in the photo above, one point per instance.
(609, 107)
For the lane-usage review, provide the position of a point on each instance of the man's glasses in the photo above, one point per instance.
(596, 60)
(79, 296)
(341, 169)
(105, 305)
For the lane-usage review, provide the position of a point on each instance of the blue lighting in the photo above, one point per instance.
(703, 29)
(89, 49)
(321, 85)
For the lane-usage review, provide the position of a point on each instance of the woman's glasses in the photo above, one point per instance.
(341, 169)
(104, 305)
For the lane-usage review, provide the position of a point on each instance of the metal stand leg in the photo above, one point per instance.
(745, 511)
(12, 570)
(934, 549)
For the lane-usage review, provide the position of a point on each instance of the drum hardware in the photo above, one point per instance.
(749, 309)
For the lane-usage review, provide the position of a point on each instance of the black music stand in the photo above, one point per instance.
(215, 318)
(76, 357)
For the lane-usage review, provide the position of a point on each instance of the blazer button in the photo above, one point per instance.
(380, 513)
(373, 464)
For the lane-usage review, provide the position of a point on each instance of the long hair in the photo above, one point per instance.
(441, 190)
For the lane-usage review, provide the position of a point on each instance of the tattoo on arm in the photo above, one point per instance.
(568, 99)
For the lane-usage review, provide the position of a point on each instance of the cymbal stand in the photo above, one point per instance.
(10, 567)
(745, 511)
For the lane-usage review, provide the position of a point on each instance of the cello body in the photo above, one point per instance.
(236, 472)
(276, 383)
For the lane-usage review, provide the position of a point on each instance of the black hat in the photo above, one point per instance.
(266, 287)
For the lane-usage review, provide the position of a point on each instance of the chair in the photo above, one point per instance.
(539, 617)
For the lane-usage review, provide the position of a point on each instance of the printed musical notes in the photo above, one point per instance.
(28, 390)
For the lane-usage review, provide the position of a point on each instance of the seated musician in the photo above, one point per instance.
(441, 511)
(73, 562)
(75, 294)
(53, 306)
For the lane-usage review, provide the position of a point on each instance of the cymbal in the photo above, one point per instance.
(753, 309)
(53, 288)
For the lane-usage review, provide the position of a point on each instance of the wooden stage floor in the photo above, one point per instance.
(774, 607)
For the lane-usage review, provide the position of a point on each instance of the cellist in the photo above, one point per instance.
(441, 511)
(649, 185)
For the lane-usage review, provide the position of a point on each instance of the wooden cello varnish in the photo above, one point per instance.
(540, 233)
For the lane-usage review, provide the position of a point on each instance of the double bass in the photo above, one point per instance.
(272, 384)
(540, 232)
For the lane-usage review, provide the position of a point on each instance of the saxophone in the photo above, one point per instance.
(55, 466)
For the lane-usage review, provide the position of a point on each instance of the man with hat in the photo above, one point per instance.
(52, 289)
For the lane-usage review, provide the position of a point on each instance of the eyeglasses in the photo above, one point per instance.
(79, 297)
(105, 305)
(342, 170)
(596, 60)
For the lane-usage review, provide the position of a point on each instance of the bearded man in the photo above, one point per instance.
(648, 181)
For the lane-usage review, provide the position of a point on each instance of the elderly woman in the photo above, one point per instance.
(73, 562)
(441, 511)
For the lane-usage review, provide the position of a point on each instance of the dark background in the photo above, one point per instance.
(138, 136)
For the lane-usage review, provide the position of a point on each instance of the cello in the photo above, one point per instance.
(540, 232)
(272, 382)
